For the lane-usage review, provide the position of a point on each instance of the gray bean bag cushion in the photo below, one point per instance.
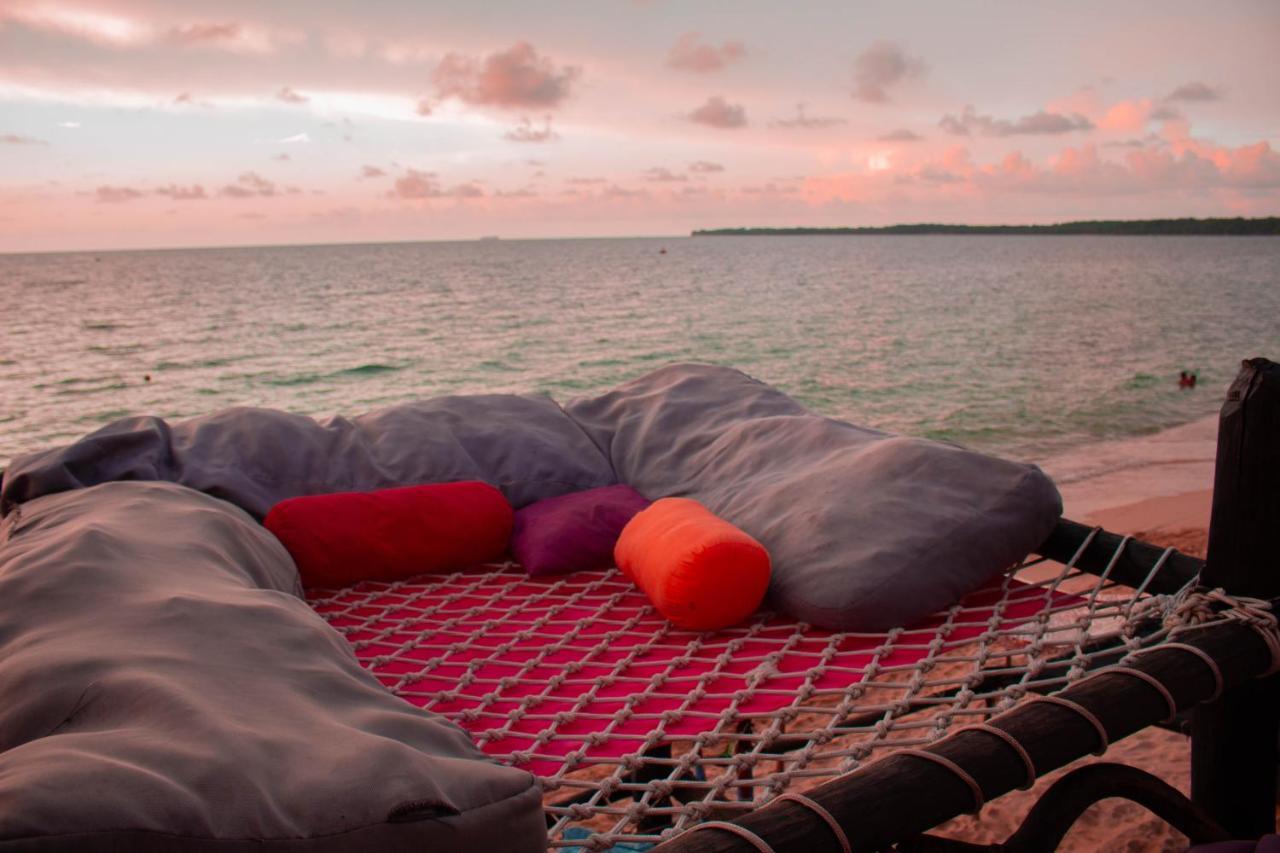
(164, 688)
(866, 530)
(524, 445)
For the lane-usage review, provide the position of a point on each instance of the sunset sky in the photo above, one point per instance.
(140, 123)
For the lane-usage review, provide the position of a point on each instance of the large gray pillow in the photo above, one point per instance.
(524, 445)
(866, 530)
(165, 689)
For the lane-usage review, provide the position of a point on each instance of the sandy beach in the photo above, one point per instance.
(1156, 487)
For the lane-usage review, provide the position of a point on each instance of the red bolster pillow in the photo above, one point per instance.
(699, 570)
(344, 537)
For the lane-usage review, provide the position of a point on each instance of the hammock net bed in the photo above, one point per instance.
(913, 701)
(638, 731)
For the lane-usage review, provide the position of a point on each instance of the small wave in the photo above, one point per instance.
(101, 325)
(118, 349)
(74, 380)
(1141, 380)
(368, 370)
(497, 365)
(94, 389)
(965, 436)
(221, 361)
(568, 385)
(603, 362)
(295, 379)
(53, 282)
(103, 417)
(661, 355)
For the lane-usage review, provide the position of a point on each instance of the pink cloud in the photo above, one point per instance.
(198, 33)
(769, 189)
(901, 135)
(661, 175)
(1040, 122)
(688, 54)
(120, 30)
(1017, 166)
(613, 191)
(18, 139)
(806, 121)
(717, 112)
(517, 78)
(1255, 165)
(417, 184)
(250, 185)
(195, 192)
(1186, 169)
(705, 167)
(117, 195)
(467, 190)
(1127, 116)
(289, 96)
(1195, 91)
(527, 131)
(93, 26)
(371, 172)
(880, 67)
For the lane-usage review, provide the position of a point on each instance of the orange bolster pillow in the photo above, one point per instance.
(699, 570)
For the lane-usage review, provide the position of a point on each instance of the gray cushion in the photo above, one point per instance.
(867, 531)
(171, 692)
(524, 445)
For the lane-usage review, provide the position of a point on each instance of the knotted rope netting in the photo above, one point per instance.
(639, 731)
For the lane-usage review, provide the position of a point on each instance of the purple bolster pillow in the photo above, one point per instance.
(573, 532)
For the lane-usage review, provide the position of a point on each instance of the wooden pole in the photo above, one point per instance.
(1234, 740)
(1133, 566)
(1244, 528)
(1233, 758)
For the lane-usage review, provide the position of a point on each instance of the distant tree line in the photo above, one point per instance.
(1264, 225)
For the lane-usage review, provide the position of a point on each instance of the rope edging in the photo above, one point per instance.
(826, 816)
(742, 832)
(979, 799)
(1013, 744)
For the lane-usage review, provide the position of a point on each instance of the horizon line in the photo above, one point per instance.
(811, 230)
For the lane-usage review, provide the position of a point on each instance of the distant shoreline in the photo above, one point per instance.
(1264, 226)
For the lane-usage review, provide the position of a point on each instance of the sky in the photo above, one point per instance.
(155, 123)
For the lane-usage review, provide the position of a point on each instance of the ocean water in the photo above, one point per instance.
(1014, 345)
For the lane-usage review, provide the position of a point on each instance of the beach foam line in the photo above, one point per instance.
(1117, 473)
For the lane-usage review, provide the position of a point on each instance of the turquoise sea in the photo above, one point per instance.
(1013, 344)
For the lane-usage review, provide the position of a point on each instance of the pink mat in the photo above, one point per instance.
(581, 665)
